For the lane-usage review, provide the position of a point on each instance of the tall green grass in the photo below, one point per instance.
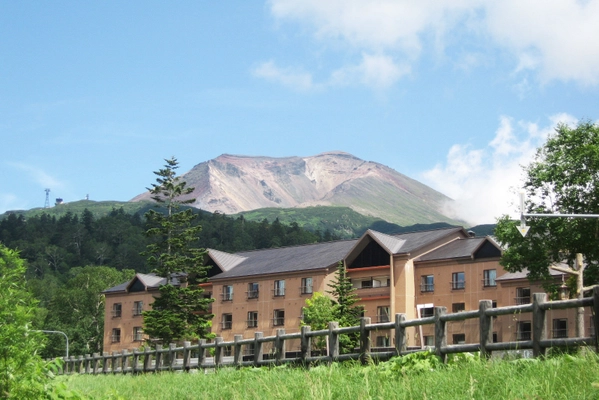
(564, 377)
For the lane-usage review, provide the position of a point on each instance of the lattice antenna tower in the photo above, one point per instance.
(47, 203)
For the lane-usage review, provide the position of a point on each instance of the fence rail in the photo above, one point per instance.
(188, 356)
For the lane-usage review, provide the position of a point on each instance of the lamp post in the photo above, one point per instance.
(62, 333)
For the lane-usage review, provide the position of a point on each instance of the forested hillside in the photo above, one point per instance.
(72, 258)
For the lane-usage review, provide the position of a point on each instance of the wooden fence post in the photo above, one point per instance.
(258, 349)
(105, 357)
(95, 363)
(364, 340)
(440, 332)
(237, 351)
(305, 344)
(400, 334)
(114, 362)
(125, 361)
(158, 358)
(596, 316)
(279, 346)
(333, 341)
(147, 359)
(218, 351)
(172, 356)
(186, 356)
(486, 327)
(135, 361)
(539, 325)
(201, 353)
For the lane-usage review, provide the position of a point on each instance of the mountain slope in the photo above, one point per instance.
(231, 184)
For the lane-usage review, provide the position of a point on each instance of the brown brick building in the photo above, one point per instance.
(265, 290)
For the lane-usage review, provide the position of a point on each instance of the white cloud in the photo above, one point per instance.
(377, 71)
(483, 182)
(289, 77)
(552, 39)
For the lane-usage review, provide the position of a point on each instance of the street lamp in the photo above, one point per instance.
(62, 333)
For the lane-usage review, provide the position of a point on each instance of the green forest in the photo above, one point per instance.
(73, 257)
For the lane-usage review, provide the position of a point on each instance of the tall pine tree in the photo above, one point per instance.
(181, 310)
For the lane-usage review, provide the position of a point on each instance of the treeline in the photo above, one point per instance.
(70, 259)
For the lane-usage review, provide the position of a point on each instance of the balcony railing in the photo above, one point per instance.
(382, 318)
(458, 285)
(306, 290)
(252, 294)
(278, 292)
(427, 287)
(522, 300)
(137, 312)
(252, 323)
(115, 338)
(278, 321)
(227, 325)
(116, 313)
(523, 335)
(138, 336)
(226, 296)
(559, 333)
(489, 283)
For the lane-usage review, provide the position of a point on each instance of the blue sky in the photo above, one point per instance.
(456, 94)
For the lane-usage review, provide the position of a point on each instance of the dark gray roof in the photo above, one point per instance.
(461, 248)
(524, 275)
(289, 259)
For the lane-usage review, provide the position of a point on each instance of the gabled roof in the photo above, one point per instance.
(465, 248)
(149, 281)
(288, 259)
(225, 261)
(417, 240)
(392, 244)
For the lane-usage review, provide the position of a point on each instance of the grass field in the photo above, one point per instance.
(563, 377)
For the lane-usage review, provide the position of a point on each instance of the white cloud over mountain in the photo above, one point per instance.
(484, 182)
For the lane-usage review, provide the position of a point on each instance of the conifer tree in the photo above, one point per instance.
(181, 310)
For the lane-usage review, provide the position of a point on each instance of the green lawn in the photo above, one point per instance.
(564, 377)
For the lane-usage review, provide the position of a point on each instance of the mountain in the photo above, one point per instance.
(232, 184)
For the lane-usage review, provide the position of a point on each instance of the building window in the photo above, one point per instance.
(138, 307)
(227, 351)
(137, 334)
(459, 338)
(523, 330)
(116, 335)
(278, 318)
(227, 294)
(382, 314)
(306, 286)
(489, 276)
(427, 312)
(522, 295)
(427, 283)
(560, 328)
(253, 290)
(279, 289)
(117, 309)
(429, 340)
(495, 340)
(252, 319)
(458, 307)
(458, 281)
(383, 341)
(227, 321)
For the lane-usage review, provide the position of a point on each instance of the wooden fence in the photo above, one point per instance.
(195, 356)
